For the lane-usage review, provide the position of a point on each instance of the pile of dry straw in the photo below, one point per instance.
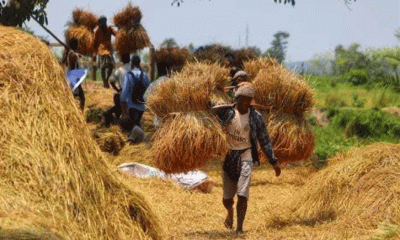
(288, 97)
(56, 183)
(361, 188)
(171, 58)
(131, 35)
(82, 28)
(110, 140)
(190, 134)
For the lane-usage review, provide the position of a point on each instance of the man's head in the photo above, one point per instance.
(136, 61)
(102, 22)
(73, 44)
(125, 58)
(239, 77)
(229, 60)
(244, 95)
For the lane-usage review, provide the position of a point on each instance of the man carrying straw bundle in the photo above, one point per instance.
(244, 126)
(103, 48)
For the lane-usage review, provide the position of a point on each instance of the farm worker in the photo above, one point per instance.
(239, 77)
(103, 49)
(244, 126)
(117, 82)
(71, 61)
(132, 101)
(229, 62)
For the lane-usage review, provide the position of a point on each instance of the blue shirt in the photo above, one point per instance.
(129, 84)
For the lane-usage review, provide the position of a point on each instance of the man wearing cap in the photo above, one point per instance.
(244, 126)
(103, 48)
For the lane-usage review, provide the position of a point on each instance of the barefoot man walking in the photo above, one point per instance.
(245, 126)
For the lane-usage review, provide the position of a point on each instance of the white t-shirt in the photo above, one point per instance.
(119, 75)
(239, 134)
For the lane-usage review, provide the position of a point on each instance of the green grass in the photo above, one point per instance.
(334, 91)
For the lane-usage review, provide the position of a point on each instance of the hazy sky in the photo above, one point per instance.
(314, 26)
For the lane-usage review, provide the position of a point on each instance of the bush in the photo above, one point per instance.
(334, 101)
(358, 103)
(357, 76)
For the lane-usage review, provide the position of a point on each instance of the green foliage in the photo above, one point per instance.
(357, 102)
(357, 76)
(279, 45)
(333, 100)
(169, 42)
(16, 12)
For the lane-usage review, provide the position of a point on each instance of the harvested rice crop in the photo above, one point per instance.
(84, 36)
(52, 172)
(128, 17)
(292, 138)
(361, 188)
(253, 67)
(187, 141)
(171, 57)
(110, 140)
(81, 17)
(282, 90)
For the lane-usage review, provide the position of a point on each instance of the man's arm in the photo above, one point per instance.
(114, 79)
(265, 143)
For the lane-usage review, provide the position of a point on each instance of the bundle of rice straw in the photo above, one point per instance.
(131, 35)
(110, 140)
(292, 138)
(361, 187)
(286, 92)
(53, 173)
(187, 141)
(253, 67)
(212, 72)
(171, 57)
(211, 53)
(82, 28)
(179, 94)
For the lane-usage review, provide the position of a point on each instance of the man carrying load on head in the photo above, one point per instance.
(244, 126)
(103, 48)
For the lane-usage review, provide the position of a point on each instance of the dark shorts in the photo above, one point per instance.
(105, 61)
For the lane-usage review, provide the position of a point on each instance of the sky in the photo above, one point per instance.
(315, 26)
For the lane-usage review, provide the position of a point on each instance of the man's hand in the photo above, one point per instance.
(277, 170)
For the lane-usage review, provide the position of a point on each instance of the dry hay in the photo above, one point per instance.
(171, 57)
(131, 35)
(84, 36)
(292, 138)
(212, 72)
(361, 187)
(81, 17)
(253, 67)
(282, 90)
(110, 140)
(130, 40)
(187, 141)
(128, 17)
(179, 94)
(52, 171)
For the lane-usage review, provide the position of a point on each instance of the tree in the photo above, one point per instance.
(16, 12)
(191, 48)
(322, 63)
(397, 34)
(279, 45)
(350, 58)
(169, 42)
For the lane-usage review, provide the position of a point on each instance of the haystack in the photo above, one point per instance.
(53, 173)
(131, 35)
(171, 57)
(187, 141)
(253, 67)
(282, 90)
(110, 140)
(292, 138)
(82, 28)
(361, 187)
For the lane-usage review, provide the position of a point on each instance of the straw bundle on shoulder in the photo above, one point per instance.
(50, 166)
(81, 17)
(254, 66)
(292, 138)
(179, 94)
(211, 53)
(286, 92)
(110, 140)
(84, 36)
(361, 184)
(129, 16)
(187, 141)
(131, 35)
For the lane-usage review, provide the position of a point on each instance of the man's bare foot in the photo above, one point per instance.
(239, 232)
(229, 220)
